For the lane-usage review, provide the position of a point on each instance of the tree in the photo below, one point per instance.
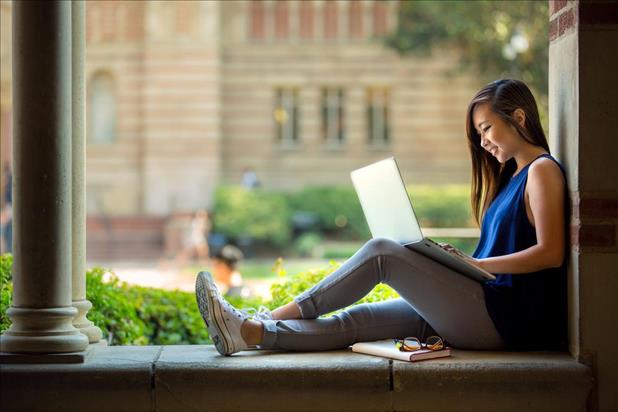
(496, 38)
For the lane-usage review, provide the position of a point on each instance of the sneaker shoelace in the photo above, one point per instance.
(262, 313)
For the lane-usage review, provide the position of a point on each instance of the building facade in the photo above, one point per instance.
(183, 96)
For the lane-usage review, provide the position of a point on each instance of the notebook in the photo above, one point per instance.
(387, 349)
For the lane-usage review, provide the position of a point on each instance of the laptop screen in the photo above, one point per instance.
(385, 202)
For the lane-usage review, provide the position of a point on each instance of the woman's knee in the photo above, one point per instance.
(380, 245)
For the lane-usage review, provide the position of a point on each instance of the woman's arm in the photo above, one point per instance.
(545, 198)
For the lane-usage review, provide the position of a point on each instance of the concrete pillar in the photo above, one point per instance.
(78, 48)
(42, 313)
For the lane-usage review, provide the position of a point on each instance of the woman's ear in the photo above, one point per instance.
(520, 117)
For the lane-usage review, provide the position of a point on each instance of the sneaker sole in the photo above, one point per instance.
(206, 310)
(211, 313)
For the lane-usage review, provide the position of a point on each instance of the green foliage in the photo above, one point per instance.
(336, 208)
(307, 243)
(171, 317)
(6, 289)
(442, 206)
(490, 35)
(263, 216)
(112, 309)
(135, 315)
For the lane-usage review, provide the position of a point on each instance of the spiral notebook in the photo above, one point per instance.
(387, 349)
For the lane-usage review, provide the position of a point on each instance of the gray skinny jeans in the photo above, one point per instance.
(435, 300)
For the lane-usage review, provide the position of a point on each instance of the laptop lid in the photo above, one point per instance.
(385, 202)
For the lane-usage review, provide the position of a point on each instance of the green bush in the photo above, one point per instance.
(6, 289)
(263, 216)
(112, 309)
(171, 317)
(306, 244)
(336, 208)
(442, 206)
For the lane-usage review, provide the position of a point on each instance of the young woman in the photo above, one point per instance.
(518, 195)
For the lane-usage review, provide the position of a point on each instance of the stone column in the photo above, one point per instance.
(42, 313)
(78, 48)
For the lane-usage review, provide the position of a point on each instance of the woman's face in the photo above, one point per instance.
(498, 137)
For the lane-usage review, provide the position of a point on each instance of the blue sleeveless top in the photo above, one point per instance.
(529, 310)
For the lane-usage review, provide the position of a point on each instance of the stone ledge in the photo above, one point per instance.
(179, 378)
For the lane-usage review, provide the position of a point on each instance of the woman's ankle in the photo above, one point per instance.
(252, 332)
(288, 311)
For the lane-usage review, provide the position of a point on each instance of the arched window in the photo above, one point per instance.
(102, 108)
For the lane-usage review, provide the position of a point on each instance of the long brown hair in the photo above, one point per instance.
(488, 175)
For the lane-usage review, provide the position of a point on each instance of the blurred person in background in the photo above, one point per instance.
(195, 241)
(249, 179)
(225, 270)
(6, 216)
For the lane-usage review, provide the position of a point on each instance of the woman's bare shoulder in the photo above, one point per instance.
(544, 172)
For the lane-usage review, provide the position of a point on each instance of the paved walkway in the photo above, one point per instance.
(166, 275)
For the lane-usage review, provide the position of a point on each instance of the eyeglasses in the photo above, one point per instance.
(412, 344)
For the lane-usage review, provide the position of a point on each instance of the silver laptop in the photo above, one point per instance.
(389, 213)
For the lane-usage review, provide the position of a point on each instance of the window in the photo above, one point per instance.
(378, 128)
(306, 19)
(330, 19)
(286, 116)
(379, 19)
(282, 27)
(333, 125)
(102, 113)
(257, 27)
(355, 19)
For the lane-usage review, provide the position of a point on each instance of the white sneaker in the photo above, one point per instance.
(222, 319)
